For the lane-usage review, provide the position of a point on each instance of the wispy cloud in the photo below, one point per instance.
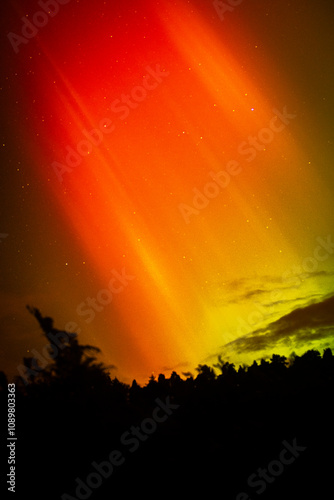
(262, 288)
(183, 364)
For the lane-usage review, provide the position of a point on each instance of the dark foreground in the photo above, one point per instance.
(263, 432)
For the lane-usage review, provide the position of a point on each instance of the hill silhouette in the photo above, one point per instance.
(259, 431)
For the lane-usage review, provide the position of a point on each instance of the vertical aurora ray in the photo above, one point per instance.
(122, 200)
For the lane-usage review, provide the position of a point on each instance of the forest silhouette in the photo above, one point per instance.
(177, 436)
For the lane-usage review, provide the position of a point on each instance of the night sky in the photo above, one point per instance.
(167, 179)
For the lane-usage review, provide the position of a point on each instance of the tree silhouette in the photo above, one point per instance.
(70, 363)
(206, 374)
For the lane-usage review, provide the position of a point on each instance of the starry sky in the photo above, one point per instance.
(167, 179)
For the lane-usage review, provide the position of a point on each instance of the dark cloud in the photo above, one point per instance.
(112, 367)
(314, 321)
(306, 301)
(185, 364)
(253, 293)
(251, 288)
(236, 284)
(325, 274)
(257, 288)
